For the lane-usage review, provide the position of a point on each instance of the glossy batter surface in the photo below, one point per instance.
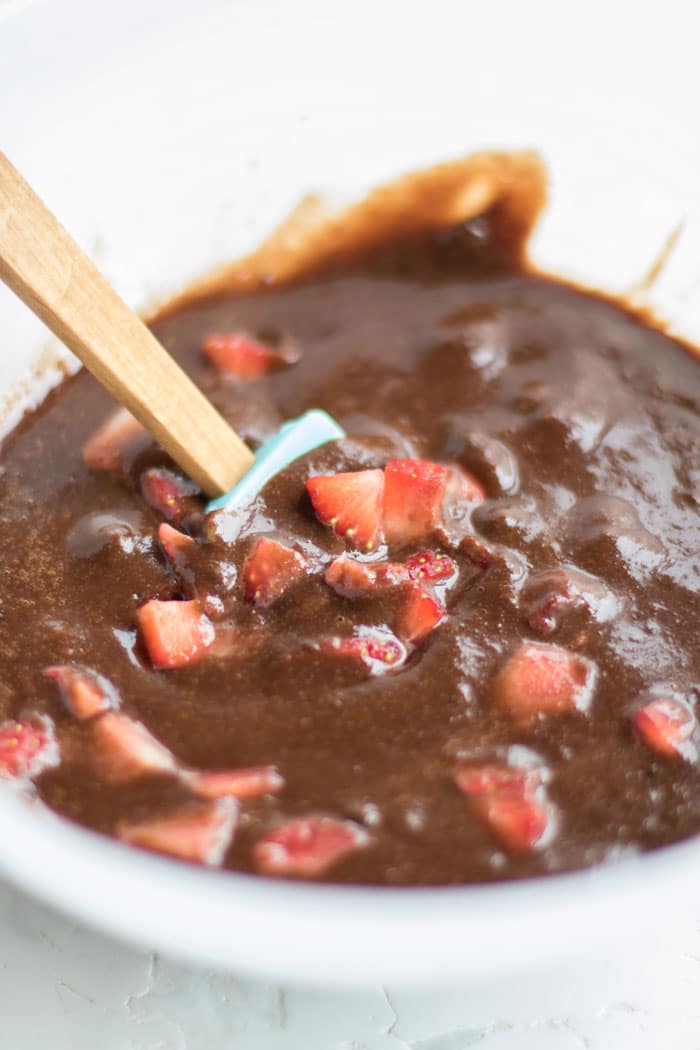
(581, 424)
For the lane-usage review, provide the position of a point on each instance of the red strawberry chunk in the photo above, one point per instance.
(28, 747)
(176, 545)
(542, 679)
(463, 486)
(418, 615)
(115, 443)
(429, 566)
(377, 649)
(354, 579)
(349, 578)
(668, 726)
(477, 552)
(239, 783)
(124, 750)
(308, 846)
(172, 495)
(84, 692)
(350, 504)
(485, 780)
(512, 803)
(389, 573)
(175, 633)
(550, 596)
(413, 493)
(200, 832)
(209, 579)
(519, 821)
(237, 354)
(269, 570)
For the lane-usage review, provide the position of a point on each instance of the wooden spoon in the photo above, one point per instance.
(49, 272)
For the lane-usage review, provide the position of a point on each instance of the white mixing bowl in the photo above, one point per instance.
(170, 136)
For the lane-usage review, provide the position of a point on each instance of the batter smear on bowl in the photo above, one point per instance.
(459, 645)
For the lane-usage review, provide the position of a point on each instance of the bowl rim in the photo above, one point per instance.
(326, 933)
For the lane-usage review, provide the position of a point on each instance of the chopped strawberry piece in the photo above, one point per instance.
(351, 504)
(84, 692)
(308, 846)
(463, 486)
(181, 551)
(419, 614)
(201, 832)
(201, 575)
(28, 747)
(501, 560)
(511, 802)
(175, 633)
(172, 495)
(269, 570)
(176, 545)
(124, 750)
(485, 780)
(240, 783)
(389, 573)
(379, 650)
(550, 596)
(518, 820)
(429, 566)
(542, 679)
(116, 442)
(354, 579)
(349, 578)
(546, 598)
(668, 725)
(239, 355)
(413, 493)
(477, 552)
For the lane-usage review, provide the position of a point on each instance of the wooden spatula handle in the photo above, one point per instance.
(47, 270)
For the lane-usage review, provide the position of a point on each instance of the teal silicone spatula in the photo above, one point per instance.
(292, 440)
(48, 271)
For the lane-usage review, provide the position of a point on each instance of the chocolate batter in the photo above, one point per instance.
(579, 420)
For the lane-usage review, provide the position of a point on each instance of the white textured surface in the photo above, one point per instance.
(67, 988)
